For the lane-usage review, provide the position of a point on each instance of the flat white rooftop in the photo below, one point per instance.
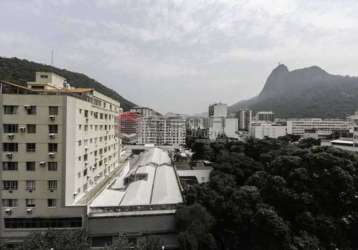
(151, 184)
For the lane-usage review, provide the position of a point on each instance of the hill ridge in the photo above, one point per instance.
(21, 71)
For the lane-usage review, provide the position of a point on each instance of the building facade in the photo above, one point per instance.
(260, 130)
(265, 116)
(299, 126)
(245, 118)
(57, 144)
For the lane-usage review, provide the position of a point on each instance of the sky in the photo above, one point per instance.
(182, 55)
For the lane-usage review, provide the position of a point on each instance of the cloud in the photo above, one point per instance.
(194, 52)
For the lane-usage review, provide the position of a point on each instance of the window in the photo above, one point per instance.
(30, 147)
(31, 110)
(52, 147)
(53, 110)
(30, 166)
(52, 184)
(52, 166)
(10, 128)
(79, 143)
(43, 222)
(9, 202)
(30, 203)
(51, 202)
(31, 128)
(10, 147)
(30, 185)
(9, 185)
(10, 109)
(85, 157)
(52, 129)
(44, 76)
(9, 166)
(86, 113)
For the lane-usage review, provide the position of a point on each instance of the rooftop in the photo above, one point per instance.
(150, 184)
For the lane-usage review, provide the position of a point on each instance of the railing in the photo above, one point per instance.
(118, 209)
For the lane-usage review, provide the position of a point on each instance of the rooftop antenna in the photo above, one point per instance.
(52, 56)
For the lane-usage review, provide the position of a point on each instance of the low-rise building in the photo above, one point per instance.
(261, 130)
(298, 126)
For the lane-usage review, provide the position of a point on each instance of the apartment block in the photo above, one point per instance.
(328, 126)
(58, 143)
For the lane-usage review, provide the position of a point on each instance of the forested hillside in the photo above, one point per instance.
(21, 71)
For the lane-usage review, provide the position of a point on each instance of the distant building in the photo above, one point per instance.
(155, 128)
(266, 116)
(218, 110)
(354, 121)
(174, 129)
(325, 126)
(245, 118)
(129, 127)
(231, 127)
(260, 130)
(195, 123)
(220, 123)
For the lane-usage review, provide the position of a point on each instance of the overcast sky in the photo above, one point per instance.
(180, 56)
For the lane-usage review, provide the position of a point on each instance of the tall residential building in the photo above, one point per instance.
(298, 126)
(57, 143)
(158, 129)
(245, 119)
(220, 123)
(174, 129)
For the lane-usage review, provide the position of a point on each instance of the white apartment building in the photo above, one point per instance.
(260, 130)
(298, 126)
(174, 130)
(154, 128)
(57, 144)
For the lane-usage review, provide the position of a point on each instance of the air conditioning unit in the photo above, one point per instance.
(27, 107)
(51, 155)
(86, 163)
(29, 211)
(42, 163)
(88, 177)
(52, 117)
(9, 155)
(30, 190)
(22, 129)
(11, 136)
(74, 194)
(8, 211)
(52, 136)
(86, 148)
(51, 190)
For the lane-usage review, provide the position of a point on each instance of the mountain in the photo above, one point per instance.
(307, 92)
(21, 71)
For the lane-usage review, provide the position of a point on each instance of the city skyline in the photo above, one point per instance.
(197, 51)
